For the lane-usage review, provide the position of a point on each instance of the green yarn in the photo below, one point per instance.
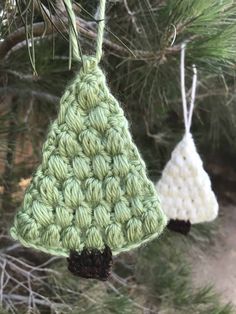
(73, 33)
(101, 25)
(91, 188)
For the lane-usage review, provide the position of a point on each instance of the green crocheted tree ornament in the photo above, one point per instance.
(90, 196)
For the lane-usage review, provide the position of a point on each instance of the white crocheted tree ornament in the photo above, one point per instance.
(185, 188)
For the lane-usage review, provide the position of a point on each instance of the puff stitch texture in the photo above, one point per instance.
(91, 188)
(185, 188)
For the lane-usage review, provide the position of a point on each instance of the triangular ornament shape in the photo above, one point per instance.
(185, 188)
(91, 190)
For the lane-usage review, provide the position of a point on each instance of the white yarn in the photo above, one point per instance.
(185, 188)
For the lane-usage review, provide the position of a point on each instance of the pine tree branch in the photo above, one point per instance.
(18, 36)
(44, 302)
(22, 76)
(34, 93)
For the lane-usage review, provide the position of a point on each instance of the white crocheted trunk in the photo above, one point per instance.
(185, 188)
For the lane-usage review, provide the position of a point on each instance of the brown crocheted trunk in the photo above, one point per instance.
(92, 264)
(180, 226)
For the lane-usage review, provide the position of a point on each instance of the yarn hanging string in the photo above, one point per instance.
(187, 112)
(101, 26)
(74, 49)
(182, 226)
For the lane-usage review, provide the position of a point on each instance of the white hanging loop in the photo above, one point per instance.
(185, 188)
(188, 113)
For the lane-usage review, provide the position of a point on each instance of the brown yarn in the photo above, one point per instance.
(91, 263)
